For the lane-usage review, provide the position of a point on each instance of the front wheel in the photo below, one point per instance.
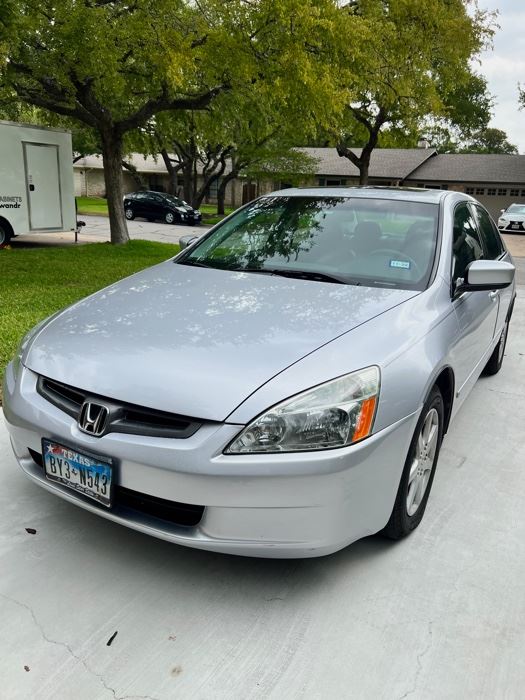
(420, 467)
(169, 217)
(130, 214)
(493, 366)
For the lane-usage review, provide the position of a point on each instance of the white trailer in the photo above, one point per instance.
(36, 180)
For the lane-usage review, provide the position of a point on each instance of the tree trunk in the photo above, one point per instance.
(221, 190)
(221, 196)
(112, 155)
(172, 172)
(363, 171)
(187, 181)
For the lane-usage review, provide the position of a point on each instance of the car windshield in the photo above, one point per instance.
(175, 200)
(349, 240)
(516, 209)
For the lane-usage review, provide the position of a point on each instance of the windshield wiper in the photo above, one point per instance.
(193, 263)
(307, 275)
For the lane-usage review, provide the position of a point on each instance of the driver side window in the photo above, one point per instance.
(466, 245)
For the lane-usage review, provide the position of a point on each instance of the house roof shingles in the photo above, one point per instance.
(472, 167)
(415, 165)
(387, 163)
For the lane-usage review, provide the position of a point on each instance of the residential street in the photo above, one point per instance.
(438, 615)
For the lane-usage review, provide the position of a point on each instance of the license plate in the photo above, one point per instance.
(515, 225)
(86, 474)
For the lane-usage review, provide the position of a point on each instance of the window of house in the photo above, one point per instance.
(522, 193)
(491, 191)
(514, 193)
(489, 234)
(502, 193)
(480, 190)
(469, 190)
(466, 246)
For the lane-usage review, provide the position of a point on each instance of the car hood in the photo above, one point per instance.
(197, 341)
(511, 216)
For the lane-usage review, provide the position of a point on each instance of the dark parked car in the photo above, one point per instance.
(157, 205)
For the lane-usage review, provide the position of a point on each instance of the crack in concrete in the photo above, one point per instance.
(66, 646)
(508, 393)
(419, 658)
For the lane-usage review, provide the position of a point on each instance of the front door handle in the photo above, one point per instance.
(493, 295)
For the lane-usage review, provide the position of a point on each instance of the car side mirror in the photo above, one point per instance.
(185, 241)
(486, 275)
(503, 211)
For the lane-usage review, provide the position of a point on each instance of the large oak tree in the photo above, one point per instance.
(418, 64)
(115, 64)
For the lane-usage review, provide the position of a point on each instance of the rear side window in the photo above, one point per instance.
(466, 246)
(489, 235)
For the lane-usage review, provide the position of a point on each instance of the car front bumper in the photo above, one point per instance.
(279, 505)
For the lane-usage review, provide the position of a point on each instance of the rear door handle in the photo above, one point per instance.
(493, 295)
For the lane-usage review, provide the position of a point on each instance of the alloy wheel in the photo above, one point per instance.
(423, 461)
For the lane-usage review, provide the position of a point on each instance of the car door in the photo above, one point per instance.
(137, 201)
(494, 250)
(476, 312)
(156, 206)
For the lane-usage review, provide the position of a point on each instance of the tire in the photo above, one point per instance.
(493, 366)
(129, 214)
(169, 217)
(418, 474)
(5, 235)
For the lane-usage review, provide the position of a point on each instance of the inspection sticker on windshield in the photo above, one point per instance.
(403, 264)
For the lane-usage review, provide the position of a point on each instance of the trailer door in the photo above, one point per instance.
(43, 186)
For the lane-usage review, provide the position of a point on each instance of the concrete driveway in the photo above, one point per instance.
(438, 615)
(97, 230)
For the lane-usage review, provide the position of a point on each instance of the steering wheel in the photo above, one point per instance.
(396, 254)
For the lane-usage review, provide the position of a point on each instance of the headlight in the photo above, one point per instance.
(28, 337)
(335, 414)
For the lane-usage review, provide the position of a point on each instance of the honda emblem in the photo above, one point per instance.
(93, 418)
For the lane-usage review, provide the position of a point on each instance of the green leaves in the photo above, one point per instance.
(413, 62)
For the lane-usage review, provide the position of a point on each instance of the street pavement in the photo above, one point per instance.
(439, 615)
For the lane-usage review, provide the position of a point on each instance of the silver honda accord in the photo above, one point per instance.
(280, 388)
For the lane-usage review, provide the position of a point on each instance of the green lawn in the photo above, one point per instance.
(92, 205)
(97, 205)
(34, 283)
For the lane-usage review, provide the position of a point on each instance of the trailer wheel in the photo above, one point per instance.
(6, 232)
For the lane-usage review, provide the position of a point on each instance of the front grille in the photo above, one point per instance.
(123, 417)
(183, 514)
(515, 226)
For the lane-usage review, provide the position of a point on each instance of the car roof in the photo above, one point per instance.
(411, 194)
(134, 194)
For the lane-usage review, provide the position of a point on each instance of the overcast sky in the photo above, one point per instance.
(504, 68)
